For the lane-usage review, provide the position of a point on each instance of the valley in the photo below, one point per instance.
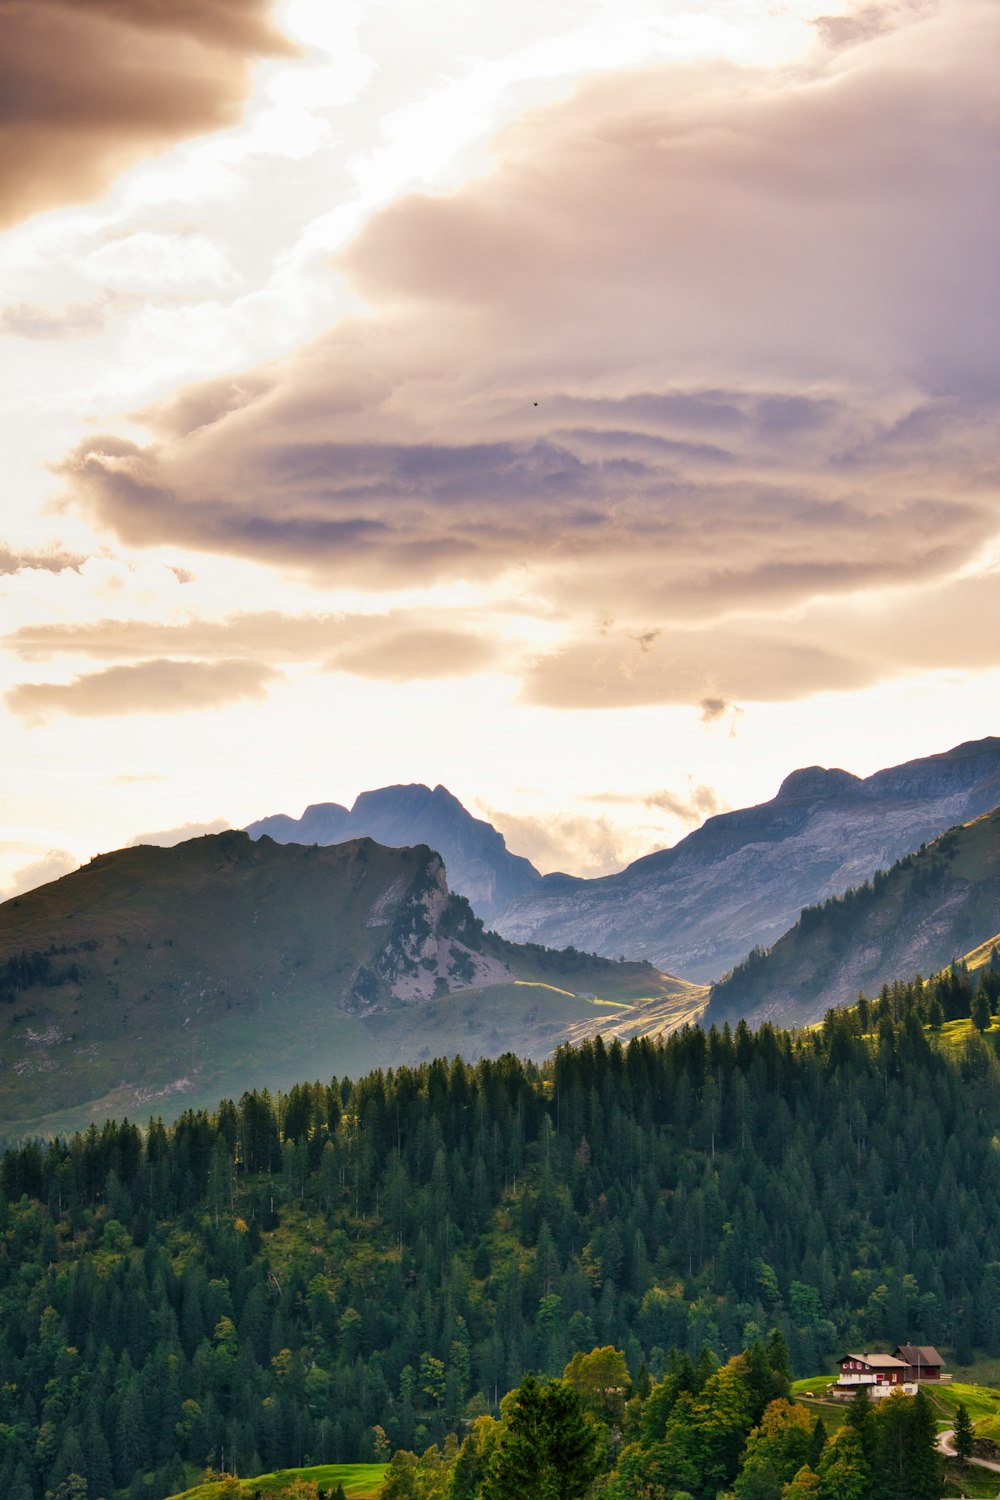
(394, 1161)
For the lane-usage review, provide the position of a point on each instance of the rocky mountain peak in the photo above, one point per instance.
(479, 864)
(814, 782)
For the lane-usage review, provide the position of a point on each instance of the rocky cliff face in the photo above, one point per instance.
(432, 945)
(742, 879)
(479, 864)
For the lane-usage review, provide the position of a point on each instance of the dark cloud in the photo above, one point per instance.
(147, 687)
(712, 709)
(760, 326)
(89, 86)
(237, 25)
(384, 515)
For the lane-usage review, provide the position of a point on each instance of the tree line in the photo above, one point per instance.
(703, 1431)
(357, 1267)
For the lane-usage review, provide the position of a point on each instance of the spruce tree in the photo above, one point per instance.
(963, 1434)
(549, 1445)
(926, 1467)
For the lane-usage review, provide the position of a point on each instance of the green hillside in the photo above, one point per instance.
(358, 1481)
(919, 916)
(153, 980)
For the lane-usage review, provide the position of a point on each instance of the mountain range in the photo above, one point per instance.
(153, 978)
(156, 978)
(737, 882)
(477, 859)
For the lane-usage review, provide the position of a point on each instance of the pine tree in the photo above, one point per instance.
(963, 1434)
(549, 1446)
(981, 1011)
(925, 1466)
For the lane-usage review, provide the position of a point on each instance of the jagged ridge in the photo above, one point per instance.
(479, 864)
(742, 878)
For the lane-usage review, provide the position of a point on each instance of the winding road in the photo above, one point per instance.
(945, 1442)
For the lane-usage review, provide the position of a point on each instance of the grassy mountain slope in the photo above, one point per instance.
(984, 954)
(929, 909)
(153, 979)
(359, 1481)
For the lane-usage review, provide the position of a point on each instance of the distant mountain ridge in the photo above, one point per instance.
(478, 862)
(741, 879)
(932, 907)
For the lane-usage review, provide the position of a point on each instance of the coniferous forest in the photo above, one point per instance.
(357, 1268)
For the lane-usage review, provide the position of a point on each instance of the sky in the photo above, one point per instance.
(590, 405)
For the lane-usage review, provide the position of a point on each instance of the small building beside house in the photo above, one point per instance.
(922, 1361)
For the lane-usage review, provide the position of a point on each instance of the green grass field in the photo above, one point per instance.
(360, 1481)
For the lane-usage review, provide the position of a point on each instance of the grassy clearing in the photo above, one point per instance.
(982, 1403)
(953, 1035)
(819, 1402)
(968, 1480)
(360, 1481)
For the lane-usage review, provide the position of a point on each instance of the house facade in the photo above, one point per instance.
(878, 1374)
(882, 1374)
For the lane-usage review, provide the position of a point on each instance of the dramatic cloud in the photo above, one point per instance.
(397, 646)
(89, 86)
(693, 348)
(416, 654)
(171, 836)
(166, 687)
(710, 666)
(49, 562)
